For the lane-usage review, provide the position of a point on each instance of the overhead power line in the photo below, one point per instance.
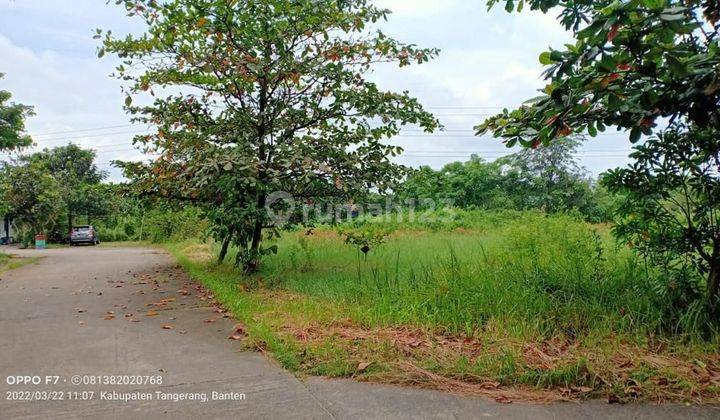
(134, 133)
(108, 127)
(436, 107)
(405, 133)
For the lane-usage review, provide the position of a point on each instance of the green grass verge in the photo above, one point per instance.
(524, 302)
(12, 262)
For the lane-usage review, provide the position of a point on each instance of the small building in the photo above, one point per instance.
(6, 231)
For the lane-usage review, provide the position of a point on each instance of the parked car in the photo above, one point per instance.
(83, 235)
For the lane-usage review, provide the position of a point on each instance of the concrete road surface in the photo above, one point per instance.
(131, 328)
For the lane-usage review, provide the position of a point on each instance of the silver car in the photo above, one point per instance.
(83, 235)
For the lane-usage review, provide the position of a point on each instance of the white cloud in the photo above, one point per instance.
(68, 94)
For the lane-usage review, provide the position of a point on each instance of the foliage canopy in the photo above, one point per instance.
(263, 96)
(12, 123)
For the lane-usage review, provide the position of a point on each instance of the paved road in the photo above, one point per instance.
(84, 311)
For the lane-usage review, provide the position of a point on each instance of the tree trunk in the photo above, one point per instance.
(70, 222)
(224, 248)
(253, 263)
(713, 286)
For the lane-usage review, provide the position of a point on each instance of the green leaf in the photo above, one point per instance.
(674, 10)
(592, 130)
(545, 58)
(535, 99)
(509, 6)
(677, 66)
(653, 4)
(670, 18)
(128, 100)
(607, 63)
(635, 134)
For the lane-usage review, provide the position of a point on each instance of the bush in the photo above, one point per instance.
(157, 225)
(161, 225)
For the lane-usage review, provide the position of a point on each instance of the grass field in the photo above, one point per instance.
(511, 305)
(11, 262)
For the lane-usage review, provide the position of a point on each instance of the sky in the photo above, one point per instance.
(488, 61)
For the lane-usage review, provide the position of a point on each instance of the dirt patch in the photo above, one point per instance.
(406, 339)
(562, 369)
(548, 354)
(198, 253)
(416, 376)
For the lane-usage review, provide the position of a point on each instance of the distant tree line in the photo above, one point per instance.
(549, 179)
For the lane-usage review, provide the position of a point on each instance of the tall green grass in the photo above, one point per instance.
(526, 273)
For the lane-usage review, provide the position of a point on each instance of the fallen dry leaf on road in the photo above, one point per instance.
(80, 310)
(109, 317)
(167, 327)
(151, 313)
(128, 315)
(574, 390)
(238, 332)
(209, 321)
(81, 322)
(502, 399)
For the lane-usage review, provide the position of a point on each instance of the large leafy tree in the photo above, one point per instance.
(31, 196)
(78, 178)
(475, 183)
(263, 96)
(550, 178)
(12, 123)
(648, 67)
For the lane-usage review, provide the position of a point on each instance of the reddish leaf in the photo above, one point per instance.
(613, 32)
